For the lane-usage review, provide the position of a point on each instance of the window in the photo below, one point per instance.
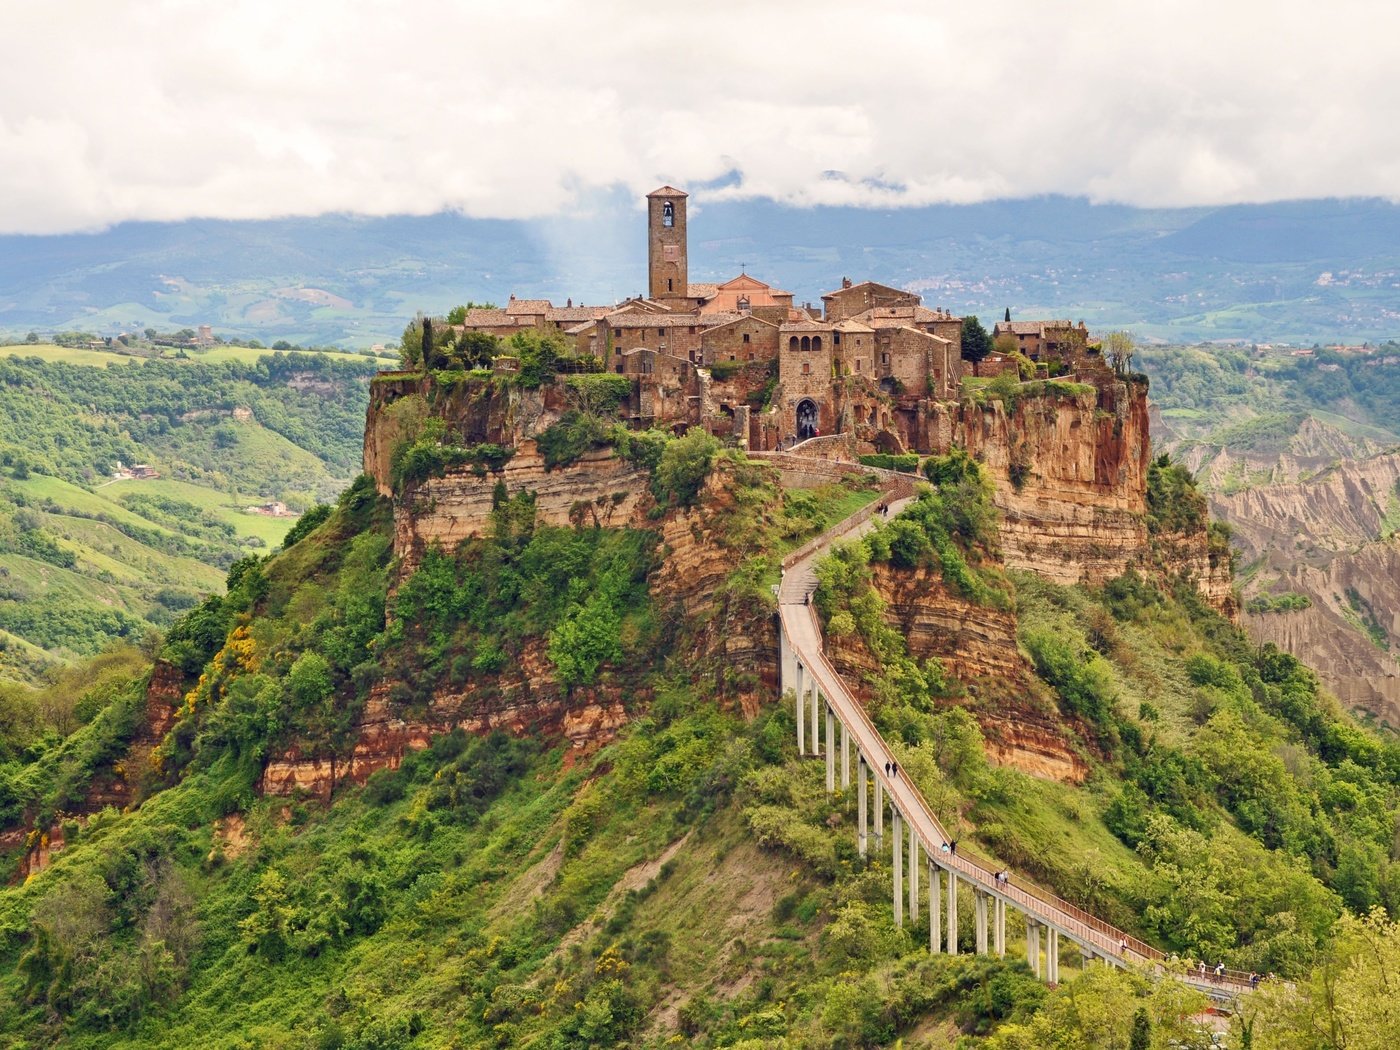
(668, 214)
(884, 359)
(746, 336)
(835, 338)
(661, 333)
(806, 368)
(617, 333)
(816, 342)
(792, 343)
(668, 284)
(692, 329)
(732, 357)
(750, 357)
(806, 343)
(857, 364)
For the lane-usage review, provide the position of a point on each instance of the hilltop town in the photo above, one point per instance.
(744, 361)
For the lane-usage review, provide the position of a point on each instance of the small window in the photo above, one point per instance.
(884, 359)
(617, 333)
(692, 329)
(660, 333)
(857, 364)
(750, 357)
(732, 357)
(668, 284)
(746, 335)
(806, 368)
(668, 214)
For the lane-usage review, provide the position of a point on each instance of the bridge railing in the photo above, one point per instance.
(972, 863)
(894, 490)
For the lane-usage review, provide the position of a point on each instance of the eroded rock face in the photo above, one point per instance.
(598, 489)
(1071, 479)
(1020, 722)
(1323, 538)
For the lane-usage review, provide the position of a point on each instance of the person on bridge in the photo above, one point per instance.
(953, 847)
(1123, 946)
(1219, 971)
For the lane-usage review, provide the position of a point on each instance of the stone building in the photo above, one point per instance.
(741, 357)
(1046, 340)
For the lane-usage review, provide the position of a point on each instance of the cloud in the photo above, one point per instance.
(178, 108)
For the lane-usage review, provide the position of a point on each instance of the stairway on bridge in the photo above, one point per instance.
(826, 707)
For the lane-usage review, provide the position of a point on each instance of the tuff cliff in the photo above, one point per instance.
(1070, 473)
(1071, 469)
(1329, 538)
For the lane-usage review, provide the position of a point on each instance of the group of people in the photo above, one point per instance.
(891, 770)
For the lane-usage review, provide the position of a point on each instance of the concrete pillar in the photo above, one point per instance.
(1052, 955)
(801, 711)
(980, 903)
(999, 927)
(1033, 945)
(879, 816)
(862, 833)
(816, 719)
(913, 875)
(1085, 958)
(898, 870)
(845, 757)
(935, 906)
(952, 912)
(830, 751)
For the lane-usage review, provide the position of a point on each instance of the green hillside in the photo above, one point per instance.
(86, 558)
(690, 883)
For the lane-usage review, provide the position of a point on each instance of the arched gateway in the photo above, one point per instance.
(806, 418)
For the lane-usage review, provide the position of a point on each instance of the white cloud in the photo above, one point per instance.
(177, 108)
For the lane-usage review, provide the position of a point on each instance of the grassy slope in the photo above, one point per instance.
(104, 358)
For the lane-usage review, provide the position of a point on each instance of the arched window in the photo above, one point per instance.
(806, 343)
(816, 342)
(792, 343)
(668, 214)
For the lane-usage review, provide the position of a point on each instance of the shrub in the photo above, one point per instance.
(682, 468)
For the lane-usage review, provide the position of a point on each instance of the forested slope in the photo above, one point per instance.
(689, 882)
(85, 559)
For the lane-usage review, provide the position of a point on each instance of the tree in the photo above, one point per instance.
(150, 333)
(1008, 315)
(1118, 348)
(976, 343)
(1140, 1038)
(1005, 344)
(32, 337)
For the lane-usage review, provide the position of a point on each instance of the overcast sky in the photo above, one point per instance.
(167, 109)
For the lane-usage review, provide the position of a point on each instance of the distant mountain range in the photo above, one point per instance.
(1301, 271)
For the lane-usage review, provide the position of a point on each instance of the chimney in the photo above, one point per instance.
(512, 297)
(568, 302)
(845, 282)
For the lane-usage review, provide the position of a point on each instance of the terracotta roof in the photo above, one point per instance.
(804, 326)
(481, 316)
(668, 191)
(645, 320)
(850, 324)
(1028, 327)
(528, 306)
(572, 314)
(579, 329)
(701, 291)
(923, 335)
(871, 284)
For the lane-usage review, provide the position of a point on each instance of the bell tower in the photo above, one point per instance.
(666, 261)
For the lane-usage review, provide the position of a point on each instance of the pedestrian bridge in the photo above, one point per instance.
(832, 723)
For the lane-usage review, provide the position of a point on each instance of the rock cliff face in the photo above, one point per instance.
(1076, 513)
(1021, 725)
(1328, 538)
(1071, 485)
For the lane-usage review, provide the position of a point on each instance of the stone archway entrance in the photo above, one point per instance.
(806, 419)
